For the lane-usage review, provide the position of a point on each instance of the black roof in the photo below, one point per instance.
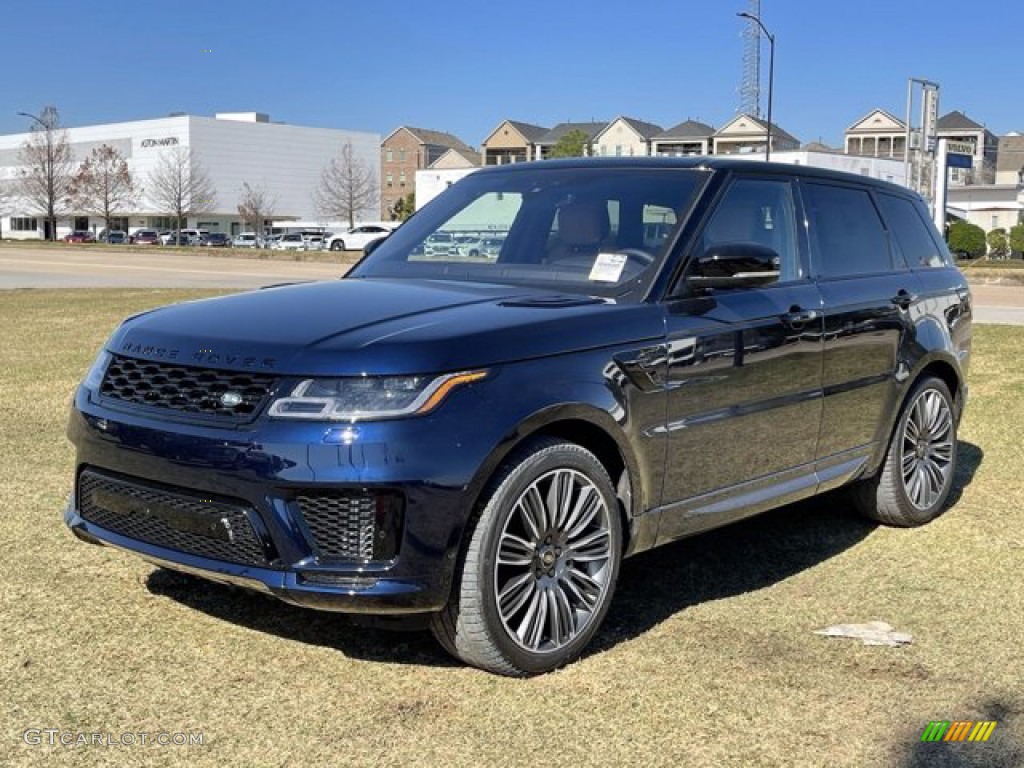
(690, 162)
(552, 136)
(688, 129)
(529, 131)
(957, 121)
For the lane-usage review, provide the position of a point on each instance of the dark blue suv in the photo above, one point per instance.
(655, 348)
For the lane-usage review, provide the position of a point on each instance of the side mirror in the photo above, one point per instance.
(736, 265)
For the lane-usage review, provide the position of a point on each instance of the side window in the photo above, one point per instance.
(912, 233)
(758, 211)
(847, 232)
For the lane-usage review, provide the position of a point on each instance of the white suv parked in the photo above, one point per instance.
(357, 238)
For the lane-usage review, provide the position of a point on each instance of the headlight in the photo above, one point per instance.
(366, 398)
(94, 376)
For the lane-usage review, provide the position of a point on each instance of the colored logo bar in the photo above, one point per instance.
(958, 730)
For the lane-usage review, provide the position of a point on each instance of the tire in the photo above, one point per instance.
(491, 618)
(914, 481)
(337, 245)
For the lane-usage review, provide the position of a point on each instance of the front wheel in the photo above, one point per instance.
(916, 477)
(539, 569)
(337, 245)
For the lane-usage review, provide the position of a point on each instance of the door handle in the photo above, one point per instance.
(904, 298)
(797, 317)
(650, 357)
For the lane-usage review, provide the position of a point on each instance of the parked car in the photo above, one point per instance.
(116, 237)
(194, 236)
(247, 240)
(291, 242)
(80, 236)
(146, 237)
(468, 245)
(215, 240)
(271, 241)
(314, 242)
(440, 244)
(355, 239)
(478, 444)
(490, 247)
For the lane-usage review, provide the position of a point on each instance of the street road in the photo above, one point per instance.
(66, 267)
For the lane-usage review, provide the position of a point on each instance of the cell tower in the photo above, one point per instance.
(750, 85)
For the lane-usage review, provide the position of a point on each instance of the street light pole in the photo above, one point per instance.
(51, 216)
(771, 76)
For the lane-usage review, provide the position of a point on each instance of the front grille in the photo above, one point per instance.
(352, 525)
(177, 521)
(186, 388)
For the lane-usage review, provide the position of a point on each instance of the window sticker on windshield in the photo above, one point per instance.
(608, 267)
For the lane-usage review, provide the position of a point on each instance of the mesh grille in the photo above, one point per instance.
(186, 389)
(344, 524)
(185, 523)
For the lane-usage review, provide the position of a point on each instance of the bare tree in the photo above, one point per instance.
(103, 185)
(47, 167)
(255, 206)
(348, 187)
(180, 186)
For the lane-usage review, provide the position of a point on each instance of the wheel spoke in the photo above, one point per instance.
(515, 551)
(919, 417)
(911, 432)
(559, 498)
(916, 485)
(531, 510)
(567, 616)
(942, 452)
(515, 593)
(540, 620)
(585, 587)
(594, 546)
(936, 480)
(588, 503)
(909, 458)
(532, 626)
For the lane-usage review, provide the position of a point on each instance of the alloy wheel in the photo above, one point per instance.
(927, 452)
(554, 561)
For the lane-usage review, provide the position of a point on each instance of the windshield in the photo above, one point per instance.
(591, 230)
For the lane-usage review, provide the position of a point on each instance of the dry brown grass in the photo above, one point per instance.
(707, 657)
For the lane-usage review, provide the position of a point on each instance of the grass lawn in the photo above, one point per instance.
(707, 657)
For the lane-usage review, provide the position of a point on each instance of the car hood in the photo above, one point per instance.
(356, 326)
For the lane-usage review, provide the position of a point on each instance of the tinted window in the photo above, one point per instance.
(758, 211)
(912, 234)
(847, 232)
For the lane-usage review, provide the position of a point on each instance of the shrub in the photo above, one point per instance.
(966, 239)
(998, 244)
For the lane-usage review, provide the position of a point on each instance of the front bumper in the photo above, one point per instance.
(354, 592)
(265, 471)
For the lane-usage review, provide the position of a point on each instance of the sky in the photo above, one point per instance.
(463, 67)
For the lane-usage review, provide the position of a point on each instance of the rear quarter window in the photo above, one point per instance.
(919, 245)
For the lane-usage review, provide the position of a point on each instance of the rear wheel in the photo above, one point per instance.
(540, 566)
(337, 245)
(916, 477)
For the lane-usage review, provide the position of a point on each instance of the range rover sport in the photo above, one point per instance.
(481, 442)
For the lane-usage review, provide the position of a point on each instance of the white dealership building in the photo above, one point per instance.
(233, 148)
